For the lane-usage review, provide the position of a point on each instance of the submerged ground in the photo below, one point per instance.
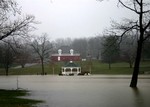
(12, 98)
(83, 91)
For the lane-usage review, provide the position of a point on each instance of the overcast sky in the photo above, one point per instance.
(73, 18)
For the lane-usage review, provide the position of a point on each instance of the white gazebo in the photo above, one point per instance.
(70, 69)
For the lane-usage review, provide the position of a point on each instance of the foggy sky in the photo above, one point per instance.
(73, 18)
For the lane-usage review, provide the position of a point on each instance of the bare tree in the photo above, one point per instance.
(7, 56)
(110, 50)
(58, 43)
(8, 6)
(42, 47)
(13, 25)
(141, 8)
(94, 47)
(128, 48)
(11, 22)
(20, 27)
(80, 45)
(62, 42)
(23, 54)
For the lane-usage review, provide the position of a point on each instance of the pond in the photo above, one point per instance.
(82, 91)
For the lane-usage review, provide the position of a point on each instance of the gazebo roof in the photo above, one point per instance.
(71, 64)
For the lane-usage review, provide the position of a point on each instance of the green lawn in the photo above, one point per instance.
(10, 98)
(97, 68)
(117, 68)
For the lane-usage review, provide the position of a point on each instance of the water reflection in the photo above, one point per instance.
(139, 101)
(82, 91)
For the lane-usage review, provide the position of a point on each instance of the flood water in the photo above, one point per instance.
(82, 91)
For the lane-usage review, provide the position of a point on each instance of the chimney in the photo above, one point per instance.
(71, 51)
(59, 51)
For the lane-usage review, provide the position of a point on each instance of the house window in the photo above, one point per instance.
(58, 58)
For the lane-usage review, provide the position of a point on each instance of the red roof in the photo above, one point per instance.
(65, 57)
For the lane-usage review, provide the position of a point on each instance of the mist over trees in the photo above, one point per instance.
(140, 25)
(84, 46)
(13, 25)
(42, 47)
(95, 47)
(128, 48)
(146, 50)
(80, 45)
(127, 41)
(23, 54)
(6, 56)
(110, 50)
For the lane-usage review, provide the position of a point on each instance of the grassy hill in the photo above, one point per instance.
(96, 68)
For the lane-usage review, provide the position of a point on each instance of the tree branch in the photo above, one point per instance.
(148, 25)
(17, 26)
(128, 29)
(129, 7)
(138, 2)
(148, 35)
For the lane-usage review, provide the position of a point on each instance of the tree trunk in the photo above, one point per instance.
(6, 70)
(139, 49)
(130, 64)
(109, 63)
(22, 65)
(42, 67)
(136, 65)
